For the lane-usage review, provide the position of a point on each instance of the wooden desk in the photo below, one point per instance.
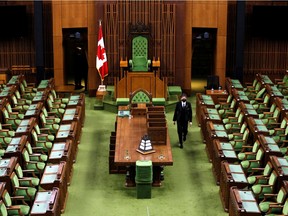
(55, 175)
(69, 132)
(242, 203)
(203, 101)
(77, 100)
(73, 114)
(231, 175)
(214, 131)
(269, 146)
(217, 95)
(62, 151)
(280, 165)
(25, 128)
(209, 114)
(282, 103)
(233, 83)
(15, 148)
(46, 203)
(7, 167)
(223, 151)
(240, 96)
(33, 111)
(264, 79)
(128, 137)
(256, 127)
(41, 96)
(248, 110)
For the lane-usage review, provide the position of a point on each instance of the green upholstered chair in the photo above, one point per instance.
(14, 113)
(226, 110)
(235, 126)
(44, 133)
(11, 206)
(56, 108)
(140, 96)
(14, 122)
(28, 177)
(239, 143)
(19, 105)
(50, 116)
(144, 178)
(52, 126)
(238, 134)
(3, 209)
(259, 97)
(249, 152)
(260, 104)
(258, 174)
(282, 208)
(270, 200)
(267, 188)
(6, 130)
(18, 190)
(36, 153)
(27, 93)
(41, 140)
(267, 113)
(140, 61)
(37, 166)
(249, 165)
(58, 99)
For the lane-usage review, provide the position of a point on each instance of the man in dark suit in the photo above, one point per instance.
(183, 116)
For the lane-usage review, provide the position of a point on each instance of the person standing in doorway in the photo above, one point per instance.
(183, 117)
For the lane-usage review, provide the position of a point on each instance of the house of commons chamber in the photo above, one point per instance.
(88, 97)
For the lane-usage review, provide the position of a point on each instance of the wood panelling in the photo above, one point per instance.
(74, 14)
(205, 14)
(57, 21)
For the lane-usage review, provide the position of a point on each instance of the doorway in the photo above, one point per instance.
(75, 48)
(203, 56)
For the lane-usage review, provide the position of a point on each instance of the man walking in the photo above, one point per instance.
(183, 116)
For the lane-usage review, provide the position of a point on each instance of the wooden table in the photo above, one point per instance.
(128, 137)
(46, 203)
(7, 167)
(55, 175)
(62, 151)
(217, 95)
(243, 203)
(203, 100)
(231, 175)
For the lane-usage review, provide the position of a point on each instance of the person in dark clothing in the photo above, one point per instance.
(183, 116)
(81, 68)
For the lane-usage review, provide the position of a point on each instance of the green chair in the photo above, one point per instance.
(239, 143)
(13, 208)
(249, 152)
(52, 126)
(270, 200)
(41, 141)
(282, 208)
(267, 188)
(37, 166)
(259, 97)
(50, 116)
(9, 120)
(273, 121)
(27, 192)
(3, 209)
(140, 61)
(28, 177)
(249, 165)
(36, 153)
(226, 110)
(259, 174)
(56, 108)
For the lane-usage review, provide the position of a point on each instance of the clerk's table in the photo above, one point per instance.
(128, 137)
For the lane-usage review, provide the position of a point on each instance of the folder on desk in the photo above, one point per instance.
(235, 168)
(239, 177)
(219, 127)
(283, 161)
(226, 146)
(221, 134)
(229, 154)
(246, 195)
(250, 206)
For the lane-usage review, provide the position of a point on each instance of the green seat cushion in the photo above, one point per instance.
(35, 182)
(174, 90)
(158, 101)
(122, 101)
(31, 192)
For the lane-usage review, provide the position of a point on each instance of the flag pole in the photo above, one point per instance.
(102, 66)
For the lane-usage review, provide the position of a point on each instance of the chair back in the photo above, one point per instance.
(3, 209)
(285, 208)
(19, 171)
(139, 53)
(140, 96)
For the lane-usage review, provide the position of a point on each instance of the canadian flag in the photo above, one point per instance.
(101, 58)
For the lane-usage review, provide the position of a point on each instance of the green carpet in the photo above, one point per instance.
(188, 189)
